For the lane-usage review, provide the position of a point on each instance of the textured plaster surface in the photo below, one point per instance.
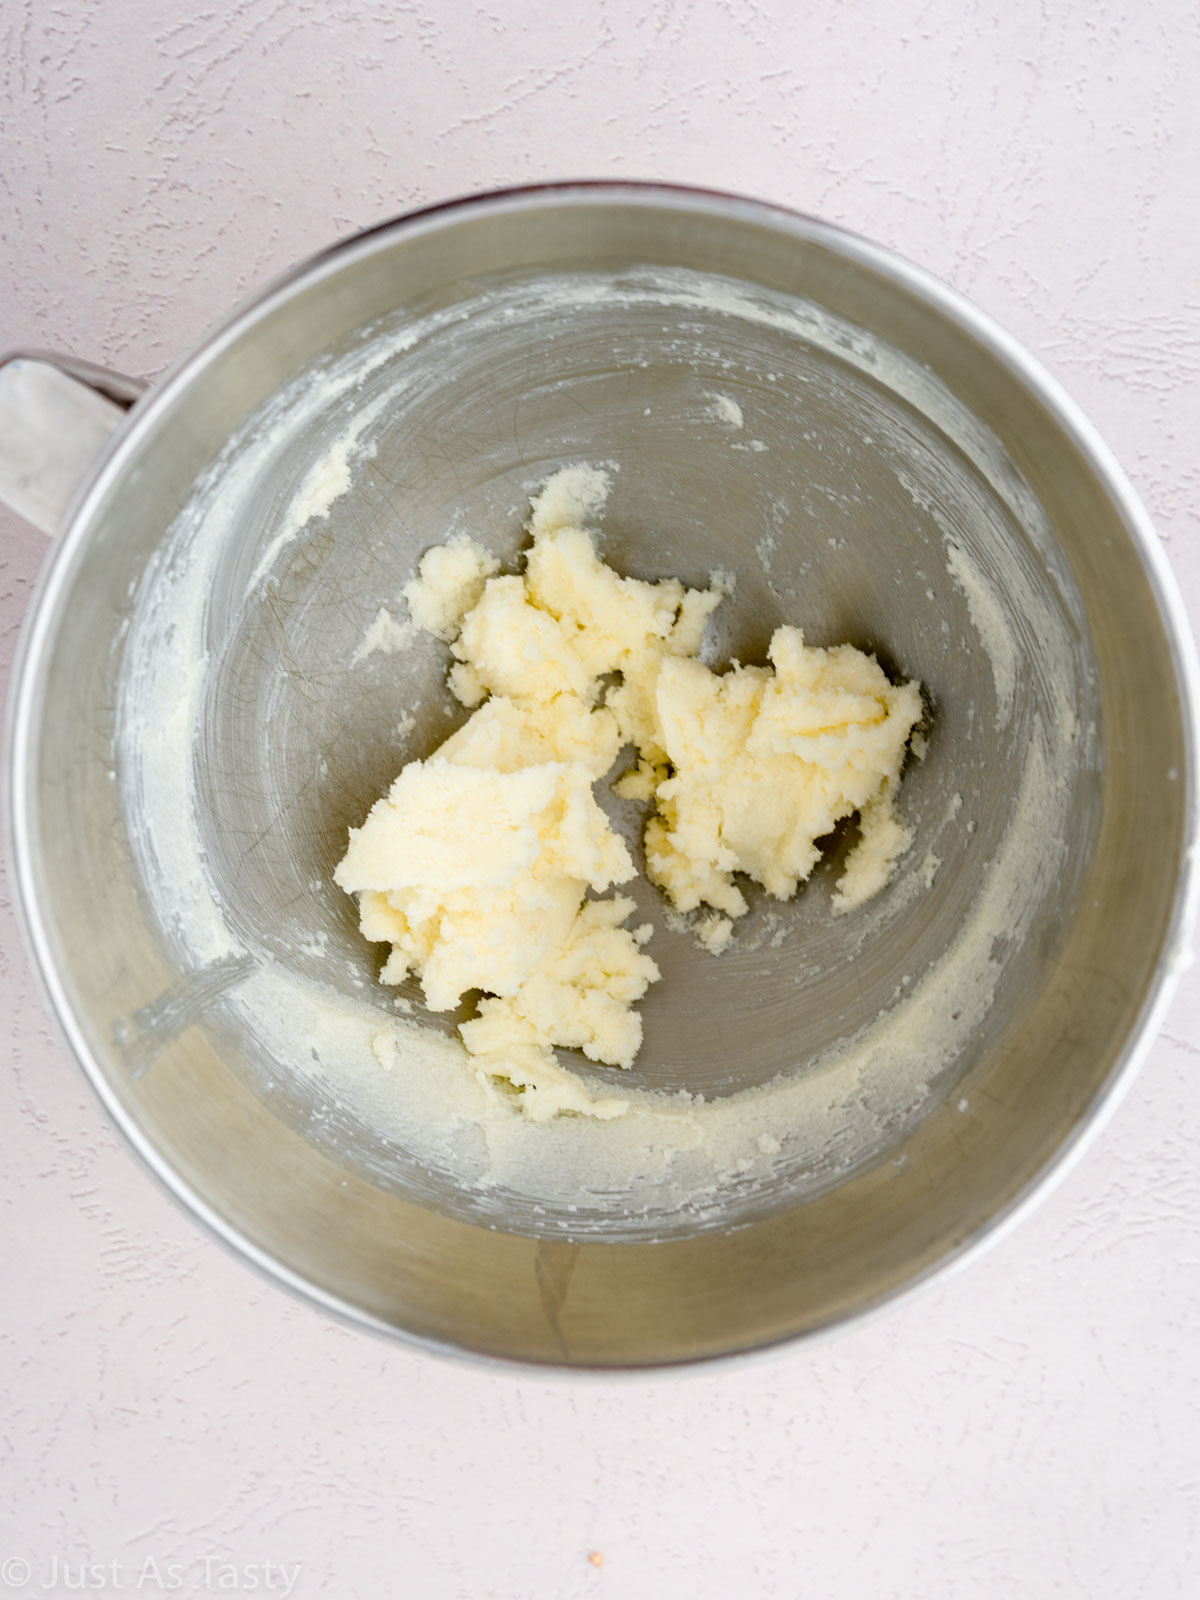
(1029, 1427)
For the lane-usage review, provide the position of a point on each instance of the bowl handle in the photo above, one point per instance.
(56, 414)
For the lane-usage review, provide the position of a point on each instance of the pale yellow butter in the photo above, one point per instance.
(450, 579)
(761, 764)
(476, 867)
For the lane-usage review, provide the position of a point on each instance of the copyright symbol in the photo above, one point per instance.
(15, 1572)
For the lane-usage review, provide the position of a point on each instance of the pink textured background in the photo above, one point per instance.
(1027, 1428)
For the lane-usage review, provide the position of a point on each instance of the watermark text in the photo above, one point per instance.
(202, 1575)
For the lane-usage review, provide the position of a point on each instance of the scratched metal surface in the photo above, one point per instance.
(1023, 1428)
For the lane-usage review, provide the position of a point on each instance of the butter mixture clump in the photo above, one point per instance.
(476, 867)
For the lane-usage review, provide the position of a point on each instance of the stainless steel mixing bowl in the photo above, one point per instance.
(877, 462)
